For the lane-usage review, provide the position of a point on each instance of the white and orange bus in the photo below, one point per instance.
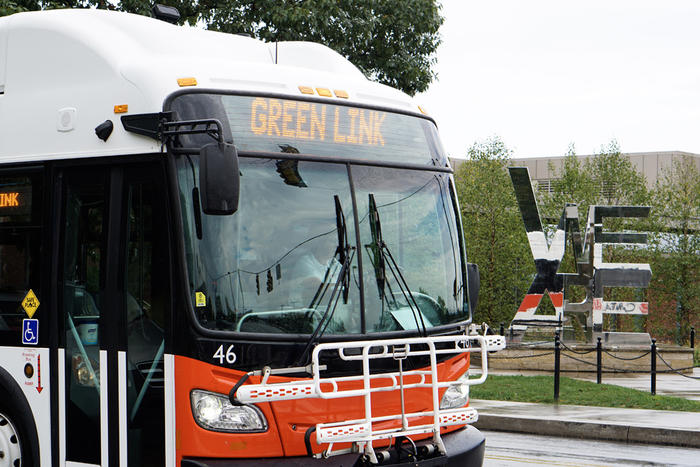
(219, 251)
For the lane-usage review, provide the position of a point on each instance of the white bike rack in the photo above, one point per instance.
(363, 432)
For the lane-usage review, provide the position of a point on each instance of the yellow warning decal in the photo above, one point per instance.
(30, 303)
(200, 299)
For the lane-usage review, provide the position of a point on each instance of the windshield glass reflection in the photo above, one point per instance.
(272, 266)
(276, 265)
(421, 249)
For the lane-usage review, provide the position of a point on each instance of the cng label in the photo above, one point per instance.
(30, 331)
(30, 303)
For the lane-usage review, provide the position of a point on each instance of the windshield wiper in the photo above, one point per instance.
(341, 253)
(345, 255)
(381, 253)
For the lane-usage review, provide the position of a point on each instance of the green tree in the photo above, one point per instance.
(606, 178)
(617, 179)
(493, 231)
(391, 41)
(573, 183)
(8, 7)
(676, 246)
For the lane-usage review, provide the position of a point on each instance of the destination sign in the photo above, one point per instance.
(272, 124)
(315, 121)
(10, 199)
(15, 199)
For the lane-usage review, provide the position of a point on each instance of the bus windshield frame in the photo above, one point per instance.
(341, 227)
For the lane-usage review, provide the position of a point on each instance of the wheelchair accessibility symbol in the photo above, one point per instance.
(30, 331)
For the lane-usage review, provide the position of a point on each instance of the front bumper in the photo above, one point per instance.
(465, 448)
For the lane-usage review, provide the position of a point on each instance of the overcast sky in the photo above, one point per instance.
(543, 74)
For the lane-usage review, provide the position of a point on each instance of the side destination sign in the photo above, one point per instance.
(303, 120)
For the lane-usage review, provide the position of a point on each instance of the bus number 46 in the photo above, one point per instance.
(229, 356)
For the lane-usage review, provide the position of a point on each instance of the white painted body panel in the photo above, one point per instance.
(88, 61)
(13, 359)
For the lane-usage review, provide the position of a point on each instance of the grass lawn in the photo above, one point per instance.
(575, 392)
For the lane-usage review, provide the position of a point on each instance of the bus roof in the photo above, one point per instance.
(62, 72)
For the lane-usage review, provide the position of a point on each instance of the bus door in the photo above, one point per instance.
(114, 281)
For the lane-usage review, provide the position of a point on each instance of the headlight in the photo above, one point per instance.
(215, 412)
(456, 395)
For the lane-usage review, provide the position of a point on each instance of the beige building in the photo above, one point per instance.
(650, 164)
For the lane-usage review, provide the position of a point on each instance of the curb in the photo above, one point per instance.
(585, 430)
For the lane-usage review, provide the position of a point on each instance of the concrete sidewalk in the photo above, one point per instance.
(629, 425)
(574, 421)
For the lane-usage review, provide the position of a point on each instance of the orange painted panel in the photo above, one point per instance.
(288, 420)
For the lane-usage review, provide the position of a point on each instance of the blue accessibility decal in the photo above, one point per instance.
(30, 331)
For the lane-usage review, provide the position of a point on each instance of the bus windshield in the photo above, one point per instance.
(291, 259)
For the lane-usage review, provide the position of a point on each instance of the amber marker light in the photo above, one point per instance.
(324, 92)
(340, 93)
(182, 82)
(121, 109)
(306, 90)
(422, 110)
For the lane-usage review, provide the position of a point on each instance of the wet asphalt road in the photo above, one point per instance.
(514, 449)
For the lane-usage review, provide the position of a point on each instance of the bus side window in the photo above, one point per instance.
(146, 309)
(20, 255)
(84, 243)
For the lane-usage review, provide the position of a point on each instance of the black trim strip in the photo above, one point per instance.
(463, 249)
(277, 95)
(360, 271)
(182, 310)
(54, 180)
(336, 160)
(326, 159)
(114, 305)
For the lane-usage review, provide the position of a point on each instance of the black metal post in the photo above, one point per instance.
(501, 330)
(692, 337)
(599, 361)
(653, 366)
(511, 333)
(556, 366)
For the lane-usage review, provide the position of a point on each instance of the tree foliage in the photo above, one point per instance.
(391, 41)
(676, 245)
(605, 179)
(492, 230)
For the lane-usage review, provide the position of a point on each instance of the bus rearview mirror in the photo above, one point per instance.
(219, 179)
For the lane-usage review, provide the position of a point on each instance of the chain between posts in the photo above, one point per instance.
(558, 345)
(676, 370)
